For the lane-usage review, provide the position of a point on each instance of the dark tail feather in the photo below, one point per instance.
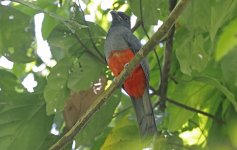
(145, 116)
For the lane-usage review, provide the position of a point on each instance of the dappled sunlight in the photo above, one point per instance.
(5, 63)
(29, 82)
(192, 137)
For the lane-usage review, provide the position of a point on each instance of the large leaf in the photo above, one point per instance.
(232, 129)
(8, 81)
(192, 55)
(62, 40)
(99, 121)
(79, 102)
(228, 68)
(84, 73)
(190, 93)
(15, 24)
(56, 91)
(49, 22)
(123, 136)
(228, 40)
(151, 10)
(208, 15)
(24, 124)
(214, 82)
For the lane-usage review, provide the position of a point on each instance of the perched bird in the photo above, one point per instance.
(120, 47)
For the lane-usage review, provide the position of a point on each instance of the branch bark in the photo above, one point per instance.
(147, 48)
(167, 61)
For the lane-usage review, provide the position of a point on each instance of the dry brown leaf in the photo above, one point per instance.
(79, 102)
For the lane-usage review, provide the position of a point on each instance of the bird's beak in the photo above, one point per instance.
(115, 15)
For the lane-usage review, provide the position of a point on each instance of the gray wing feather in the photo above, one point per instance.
(135, 45)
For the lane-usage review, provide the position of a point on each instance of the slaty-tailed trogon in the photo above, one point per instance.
(120, 47)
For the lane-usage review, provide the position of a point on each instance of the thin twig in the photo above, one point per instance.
(194, 110)
(136, 26)
(144, 29)
(89, 32)
(167, 61)
(87, 49)
(118, 81)
(122, 111)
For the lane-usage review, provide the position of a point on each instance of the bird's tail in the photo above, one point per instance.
(145, 115)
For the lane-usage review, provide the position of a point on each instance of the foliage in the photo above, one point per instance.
(202, 75)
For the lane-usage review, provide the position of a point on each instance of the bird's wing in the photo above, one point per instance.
(135, 46)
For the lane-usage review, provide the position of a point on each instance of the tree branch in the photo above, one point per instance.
(147, 48)
(167, 61)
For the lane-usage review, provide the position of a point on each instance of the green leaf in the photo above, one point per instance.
(56, 91)
(26, 10)
(62, 40)
(190, 93)
(24, 124)
(48, 142)
(228, 68)
(207, 15)
(214, 82)
(16, 24)
(89, 132)
(84, 73)
(8, 81)
(123, 136)
(227, 40)
(192, 55)
(232, 130)
(151, 10)
(48, 25)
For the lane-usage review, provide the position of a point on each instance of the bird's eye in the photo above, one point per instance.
(126, 19)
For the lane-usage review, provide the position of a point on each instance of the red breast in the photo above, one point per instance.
(135, 84)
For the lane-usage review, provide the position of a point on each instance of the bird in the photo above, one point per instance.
(121, 45)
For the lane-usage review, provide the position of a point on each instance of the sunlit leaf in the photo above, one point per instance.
(214, 82)
(190, 93)
(124, 136)
(227, 41)
(228, 67)
(232, 130)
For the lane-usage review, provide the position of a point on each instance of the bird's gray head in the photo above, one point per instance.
(120, 19)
